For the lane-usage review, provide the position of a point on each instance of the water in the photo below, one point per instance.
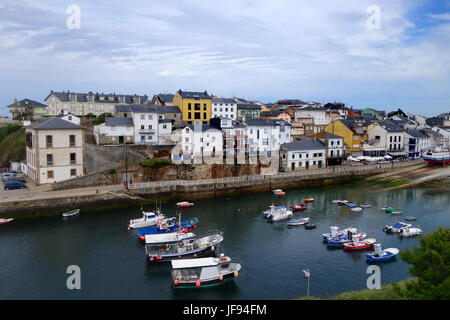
(35, 253)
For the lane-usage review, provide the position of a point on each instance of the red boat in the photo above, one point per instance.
(358, 244)
(4, 221)
(309, 200)
(184, 204)
(297, 207)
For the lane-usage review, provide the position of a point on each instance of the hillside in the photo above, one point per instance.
(12, 146)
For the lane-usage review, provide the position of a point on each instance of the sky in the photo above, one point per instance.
(366, 53)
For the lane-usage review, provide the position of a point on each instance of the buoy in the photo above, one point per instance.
(151, 258)
(197, 283)
(221, 277)
(236, 274)
(176, 282)
(129, 228)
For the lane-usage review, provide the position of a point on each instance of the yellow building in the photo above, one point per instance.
(352, 133)
(194, 106)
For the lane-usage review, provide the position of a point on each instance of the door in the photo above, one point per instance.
(307, 164)
(293, 166)
(121, 140)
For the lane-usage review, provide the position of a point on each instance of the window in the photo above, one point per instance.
(197, 106)
(73, 158)
(150, 117)
(73, 172)
(189, 106)
(189, 115)
(49, 140)
(399, 139)
(164, 126)
(72, 140)
(49, 159)
(50, 174)
(390, 140)
(142, 127)
(197, 115)
(204, 115)
(142, 116)
(204, 107)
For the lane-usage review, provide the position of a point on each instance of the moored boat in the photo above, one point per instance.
(409, 218)
(184, 204)
(280, 214)
(356, 209)
(159, 249)
(393, 211)
(272, 210)
(297, 207)
(381, 254)
(357, 243)
(168, 225)
(148, 219)
(298, 222)
(365, 205)
(437, 156)
(410, 232)
(204, 272)
(396, 227)
(6, 220)
(342, 238)
(307, 200)
(279, 192)
(71, 213)
(351, 204)
(310, 226)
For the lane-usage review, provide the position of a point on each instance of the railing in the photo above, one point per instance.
(303, 173)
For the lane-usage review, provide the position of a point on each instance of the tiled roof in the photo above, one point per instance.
(417, 134)
(147, 108)
(223, 100)
(109, 98)
(306, 144)
(53, 123)
(27, 103)
(390, 126)
(204, 127)
(119, 122)
(194, 94)
(248, 106)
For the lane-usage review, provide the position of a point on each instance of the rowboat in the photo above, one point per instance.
(298, 222)
(71, 213)
(184, 204)
(393, 211)
(356, 209)
(380, 254)
(279, 192)
(309, 226)
(351, 204)
(297, 207)
(409, 218)
(308, 200)
(358, 244)
(5, 220)
(204, 272)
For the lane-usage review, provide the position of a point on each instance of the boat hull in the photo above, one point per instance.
(194, 254)
(214, 282)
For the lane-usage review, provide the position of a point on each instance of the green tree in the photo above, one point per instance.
(430, 267)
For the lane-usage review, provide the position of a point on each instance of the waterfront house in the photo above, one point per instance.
(169, 112)
(200, 143)
(71, 118)
(352, 132)
(276, 115)
(390, 137)
(302, 155)
(234, 139)
(54, 150)
(115, 131)
(148, 125)
(417, 143)
(194, 106)
(435, 139)
(445, 132)
(223, 107)
(314, 119)
(26, 109)
(335, 147)
(162, 99)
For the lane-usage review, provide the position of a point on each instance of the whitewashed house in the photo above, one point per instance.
(146, 125)
(335, 147)
(225, 108)
(302, 155)
(445, 134)
(54, 150)
(313, 119)
(234, 139)
(390, 137)
(164, 131)
(71, 118)
(115, 131)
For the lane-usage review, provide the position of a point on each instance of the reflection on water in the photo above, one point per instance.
(36, 252)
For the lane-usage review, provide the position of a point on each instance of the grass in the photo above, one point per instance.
(155, 163)
(391, 183)
(386, 292)
(12, 147)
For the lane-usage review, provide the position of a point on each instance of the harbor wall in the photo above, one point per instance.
(144, 193)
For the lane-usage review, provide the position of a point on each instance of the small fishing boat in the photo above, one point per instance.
(279, 192)
(71, 213)
(381, 254)
(6, 220)
(168, 225)
(358, 244)
(148, 219)
(396, 227)
(309, 226)
(204, 272)
(298, 222)
(393, 211)
(184, 204)
(365, 205)
(279, 215)
(342, 238)
(356, 209)
(335, 232)
(409, 218)
(385, 208)
(351, 204)
(409, 232)
(297, 207)
(273, 210)
(159, 249)
(342, 202)
(307, 200)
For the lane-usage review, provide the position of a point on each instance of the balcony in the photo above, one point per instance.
(146, 131)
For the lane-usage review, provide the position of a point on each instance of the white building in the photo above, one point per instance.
(445, 133)
(314, 120)
(234, 139)
(335, 147)
(115, 131)
(55, 150)
(146, 125)
(390, 137)
(302, 155)
(222, 107)
(71, 118)
(200, 143)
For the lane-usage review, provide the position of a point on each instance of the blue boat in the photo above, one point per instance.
(167, 226)
(273, 210)
(351, 204)
(381, 254)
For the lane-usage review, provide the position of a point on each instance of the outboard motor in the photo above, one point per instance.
(378, 248)
(334, 231)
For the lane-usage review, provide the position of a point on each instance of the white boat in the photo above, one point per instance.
(158, 238)
(396, 227)
(148, 219)
(335, 232)
(381, 254)
(184, 204)
(279, 192)
(298, 222)
(280, 214)
(273, 210)
(204, 271)
(356, 209)
(5, 220)
(437, 156)
(409, 232)
(365, 205)
(71, 213)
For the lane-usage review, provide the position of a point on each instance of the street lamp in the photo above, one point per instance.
(307, 275)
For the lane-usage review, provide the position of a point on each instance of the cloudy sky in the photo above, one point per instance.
(318, 50)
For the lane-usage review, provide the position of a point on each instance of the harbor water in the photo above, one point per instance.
(35, 253)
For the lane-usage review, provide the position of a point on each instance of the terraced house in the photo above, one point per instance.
(352, 132)
(82, 104)
(194, 106)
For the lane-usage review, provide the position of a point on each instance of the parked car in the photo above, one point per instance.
(15, 178)
(8, 174)
(10, 185)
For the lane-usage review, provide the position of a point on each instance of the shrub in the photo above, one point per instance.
(155, 163)
(112, 171)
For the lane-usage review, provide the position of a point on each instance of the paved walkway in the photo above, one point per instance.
(431, 175)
